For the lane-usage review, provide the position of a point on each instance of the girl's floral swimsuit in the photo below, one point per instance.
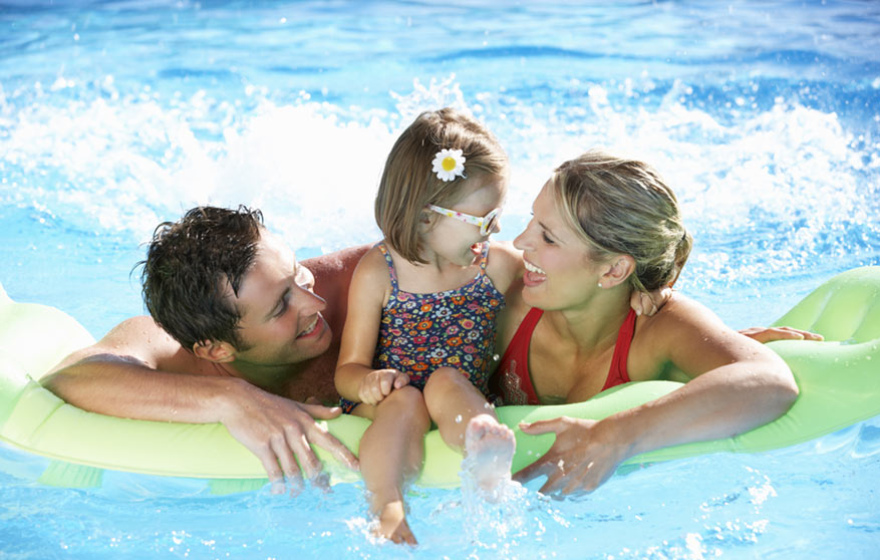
(422, 332)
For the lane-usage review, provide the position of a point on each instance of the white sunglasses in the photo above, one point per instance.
(486, 223)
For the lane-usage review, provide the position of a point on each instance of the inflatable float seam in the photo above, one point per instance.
(33, 429)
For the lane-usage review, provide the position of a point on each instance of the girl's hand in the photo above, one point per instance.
(581, 459)
(649, 303)
(379, 383)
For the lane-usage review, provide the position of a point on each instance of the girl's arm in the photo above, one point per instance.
(736, 385)
(355, 379)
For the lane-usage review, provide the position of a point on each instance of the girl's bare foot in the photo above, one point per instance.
(489, 447)
(392, 524)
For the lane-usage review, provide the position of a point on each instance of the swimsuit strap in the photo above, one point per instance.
(391, 271)
(485, 258)
(528, 324)
(618, 373)
(512, 380)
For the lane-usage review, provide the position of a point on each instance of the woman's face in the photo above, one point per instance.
(560, 274)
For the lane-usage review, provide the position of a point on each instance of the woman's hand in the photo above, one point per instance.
(769, 334)
(379, 383)
(581, 459)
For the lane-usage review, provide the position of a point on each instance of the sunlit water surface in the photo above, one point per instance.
(116, 115)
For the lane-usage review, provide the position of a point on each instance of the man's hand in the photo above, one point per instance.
(279, 432)
(379, 383)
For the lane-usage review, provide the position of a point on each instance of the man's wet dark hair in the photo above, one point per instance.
(188, 267)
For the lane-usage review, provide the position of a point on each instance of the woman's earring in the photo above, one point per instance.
(600, 284)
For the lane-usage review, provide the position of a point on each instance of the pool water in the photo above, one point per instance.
(764, 116)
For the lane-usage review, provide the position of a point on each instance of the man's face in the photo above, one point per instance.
(281, 322)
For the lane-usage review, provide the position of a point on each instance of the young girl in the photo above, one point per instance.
(418, 341)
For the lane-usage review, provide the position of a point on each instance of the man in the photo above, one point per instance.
(240, 334)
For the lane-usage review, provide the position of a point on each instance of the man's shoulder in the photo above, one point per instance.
(139, 330)
(333, 273)
(342, 261)
(144, 323)
(138, 340)
(144, 340)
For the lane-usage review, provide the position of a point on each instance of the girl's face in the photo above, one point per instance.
(560, 273)
(459, 242)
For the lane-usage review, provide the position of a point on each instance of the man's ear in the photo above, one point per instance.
(213, 351)
(617, 271)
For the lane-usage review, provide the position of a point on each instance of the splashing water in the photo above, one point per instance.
(764, 117)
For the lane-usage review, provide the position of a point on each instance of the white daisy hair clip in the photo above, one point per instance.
(449, 164)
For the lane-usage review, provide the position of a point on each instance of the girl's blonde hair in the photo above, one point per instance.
(623, 206)
(408, 183)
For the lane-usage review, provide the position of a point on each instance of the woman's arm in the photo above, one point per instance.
(355, 379)
(736, 385)
(648, 303)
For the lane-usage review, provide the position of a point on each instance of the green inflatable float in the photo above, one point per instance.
(839, 380)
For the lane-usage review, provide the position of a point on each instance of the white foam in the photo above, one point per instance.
(107, 161)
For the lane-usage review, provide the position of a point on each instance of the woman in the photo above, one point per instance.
(603, 228)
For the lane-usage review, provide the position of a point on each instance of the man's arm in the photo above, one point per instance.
(135, 372)
(138, 371)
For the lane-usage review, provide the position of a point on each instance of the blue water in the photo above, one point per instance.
(765, 116)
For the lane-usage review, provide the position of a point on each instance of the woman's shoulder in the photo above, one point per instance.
(680, 317)
(684, 334)
(681, 310)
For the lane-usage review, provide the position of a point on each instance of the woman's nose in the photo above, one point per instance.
(521, 241)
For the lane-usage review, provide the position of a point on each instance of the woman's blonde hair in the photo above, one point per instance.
(408, 183)
(623, 206)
